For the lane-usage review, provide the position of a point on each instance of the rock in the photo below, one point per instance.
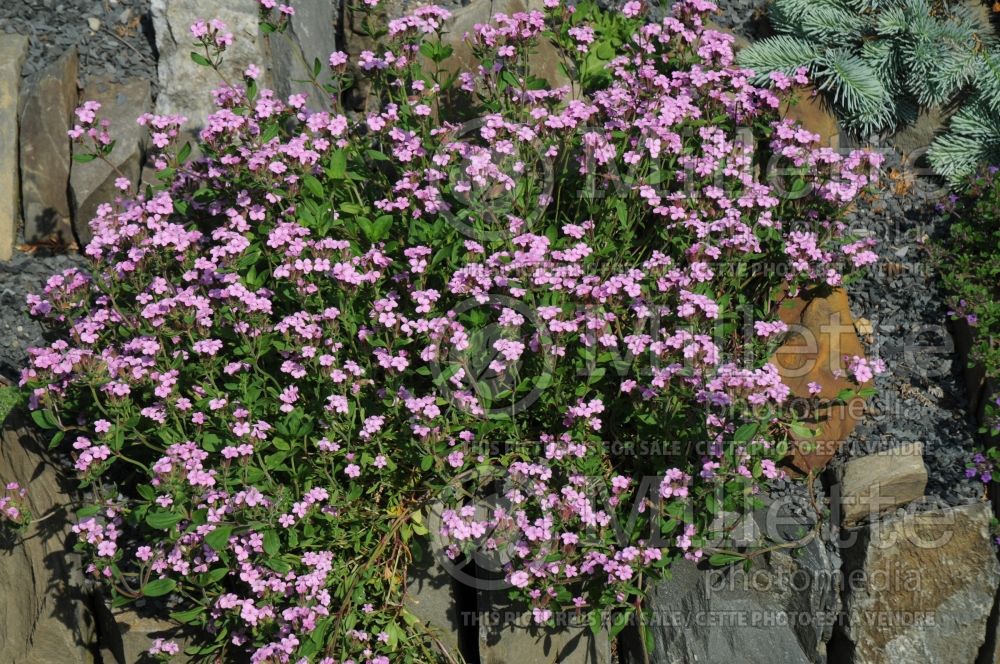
(508, 635)
(470, 616)
(46, 617)
(879, 482)
(45, 152)
(126, 634)
(781, 611)
(185, 87)
(813, 112)
(93, 183)
(864, 327)
(355, 41)
(821, 333)
(920, 587)
(544, 61)
(990, 652)
(310, 36)
(94, 23)
(914, 139)
(13, 49)
(432, 593)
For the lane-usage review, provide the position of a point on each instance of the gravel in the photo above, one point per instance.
(18, 332)
(746, 18)
(922, 396)
(114, 37)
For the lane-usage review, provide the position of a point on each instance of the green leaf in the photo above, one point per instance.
(84, 158)
(338, 165)
(380, 228)
(89, 510)
(647, 635)
(214, 576)
(802, 431)
(746, 432)
(846, 394)
(619, 623)
(44, 419)
(159, 587)
(163, 520)
(201, 59)
(272, 544)
(219, 538)
(188, 616)
(595, 622)
(314, 186)
(723, 559)
(56, 439)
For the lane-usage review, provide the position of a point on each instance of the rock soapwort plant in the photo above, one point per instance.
(285, 352)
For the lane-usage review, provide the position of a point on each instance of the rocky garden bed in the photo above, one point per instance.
(875, 544)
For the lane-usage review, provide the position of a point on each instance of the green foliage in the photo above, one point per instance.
(880, 61)
(9, 396)
(969, 265)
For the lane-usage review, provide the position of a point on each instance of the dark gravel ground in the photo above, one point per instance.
(746, 18)
(922, 396)
(18, 277)
(114, 37)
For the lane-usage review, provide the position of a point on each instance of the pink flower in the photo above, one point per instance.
(631, 9)
(674, 484)
(207, 346)
(770, 329)
(541, 615)
(519, 579)
(288, 397)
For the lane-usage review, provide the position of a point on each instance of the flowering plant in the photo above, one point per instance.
(285, 354)
(968, 268)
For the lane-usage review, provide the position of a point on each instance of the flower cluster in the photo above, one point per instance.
(13, 509)
(287, 352)
(981, 468)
